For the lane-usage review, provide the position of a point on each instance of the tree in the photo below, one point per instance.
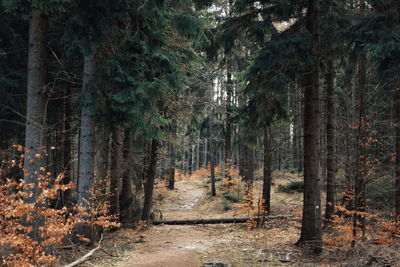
(35, 110)
(149, 182)
(87, 27)
(329, 32)
(330, 136)
(211, 151)
(116, 168)
(172, 146)
(380, 38)
(86, 147)
(311, 231)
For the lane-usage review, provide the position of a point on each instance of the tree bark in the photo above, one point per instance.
(67, 147)
(149, 183)
(397, 159)
(248, 163)
(103, 150)
(212, 158)
(360, 173)
(205, 160)
(115, 176)
(126, 200)
(295, 148)
(35, 108)
(211, 155)
(198, 143)
(311, 223)
(228, 128)
(330, 139)
(397, 141)
(267, 172)
(190, 160)
(172, 159)
(211, 151)
(86, 146)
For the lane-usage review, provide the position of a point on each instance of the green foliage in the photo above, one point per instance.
(152, 67)
(46, 7)
(235, 198)
(91, 22)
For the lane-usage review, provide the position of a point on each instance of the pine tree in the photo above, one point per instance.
(36, 97)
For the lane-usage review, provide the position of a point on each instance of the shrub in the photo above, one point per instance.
(295, 186)
(29, 230)
(235, 198)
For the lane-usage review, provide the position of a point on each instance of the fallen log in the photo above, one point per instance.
(203, 221)
(216, 221)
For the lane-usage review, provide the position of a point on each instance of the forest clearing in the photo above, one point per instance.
(199, 133)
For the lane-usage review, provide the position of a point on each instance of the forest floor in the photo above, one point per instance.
(205, 245)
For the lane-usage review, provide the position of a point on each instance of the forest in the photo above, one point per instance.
(199, 133)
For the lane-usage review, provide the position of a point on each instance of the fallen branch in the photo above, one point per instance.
(86, 256)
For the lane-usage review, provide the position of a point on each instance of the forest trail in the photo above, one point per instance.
(179, 246)
(187, 195)
(222, 245)
(197, 245)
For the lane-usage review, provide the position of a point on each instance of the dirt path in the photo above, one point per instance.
(230, 244)
(183, 205)
(195, 245)
(174, 245)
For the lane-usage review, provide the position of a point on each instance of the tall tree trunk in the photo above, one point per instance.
(171, 180)
(297, 129)
(242, 159)
(350, 120)
(149, 183)
(115, 176)
(397, 141)
(35, 108)
(67, 147)
(311, 223)
(172, 159)
(397, 159)
(103, 150)
(330, 139)
(251, 164)
(205, 160)
(228, 128)
(267, 172)
(212, 154)
(248, 165)
(198, 143)
(126, 200)
(190, 162)
(86, 145)
(301, 129)
(360, 179)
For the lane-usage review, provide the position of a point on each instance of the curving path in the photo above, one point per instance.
(168, 245)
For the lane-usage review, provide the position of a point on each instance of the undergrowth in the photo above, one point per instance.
(30, 231)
